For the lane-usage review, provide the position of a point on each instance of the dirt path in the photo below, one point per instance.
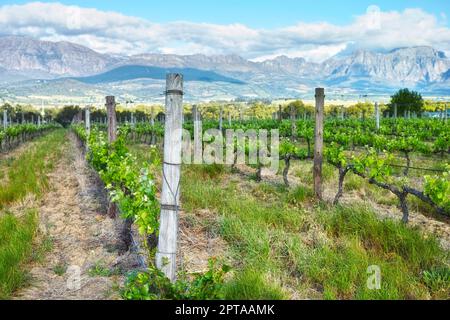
(85, 260)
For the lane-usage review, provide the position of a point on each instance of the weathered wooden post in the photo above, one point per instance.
(112, 120)
(152, 117)
(377, 116)
(293, 114)
(5, 119)
(88, 120)
(88, 125)
(446, 113)
(23, 118)
(198, 144)
(395, 111)
(112, 137)
(318, 143)
(220, 119)
(38, 121)
(170, 195)
(280, 113)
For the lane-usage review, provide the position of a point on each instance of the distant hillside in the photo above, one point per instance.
(73, 68)
(125, 73)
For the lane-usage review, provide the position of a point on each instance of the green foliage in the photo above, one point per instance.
(66, 115)
(130, 184)
(438, 281)
(437, 187)
(407, 100)
(154, 285)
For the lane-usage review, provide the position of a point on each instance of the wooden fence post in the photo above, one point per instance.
(377, 116)
(395, 111)
(318, 143)
(446, 113)
(88, 124)
(220, 119)
(170, 195)
(5, 119)
(112, 120)
(293, 122)
(198, 138)
(152, 117)
(112, 136)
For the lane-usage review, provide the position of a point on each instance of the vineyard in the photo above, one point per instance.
(310, 229)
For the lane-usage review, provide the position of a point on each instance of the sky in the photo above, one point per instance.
(256, 30)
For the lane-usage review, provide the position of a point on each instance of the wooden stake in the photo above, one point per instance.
(198, 144)
(293, 122)
(446, 113)
(5, 119)
(112, 120)
(88, 125)
(318, 143)
(377, 116)
(220, 119)
(170, 195)
(112, 136)
(152, 117)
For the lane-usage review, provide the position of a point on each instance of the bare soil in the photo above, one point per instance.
(86, 261)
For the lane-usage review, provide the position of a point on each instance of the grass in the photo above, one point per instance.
(16, 249)
(99, 270)
(361, 240)
(250, 285)
(279, 245)
(27, 173)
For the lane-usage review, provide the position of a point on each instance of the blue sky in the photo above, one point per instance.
(254, 13)
(256, 30)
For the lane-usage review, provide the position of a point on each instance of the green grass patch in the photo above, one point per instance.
(16, 249)
(28, 172)
(353, 182)
(403, 255)
(327, 251)
(251, 285)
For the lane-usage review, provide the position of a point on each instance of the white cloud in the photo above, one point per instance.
(111, 32)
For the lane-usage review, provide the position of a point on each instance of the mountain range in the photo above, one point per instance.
(34, 69)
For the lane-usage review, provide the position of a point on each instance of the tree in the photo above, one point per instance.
(66, 114)
(407, 100)
(363, 109)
